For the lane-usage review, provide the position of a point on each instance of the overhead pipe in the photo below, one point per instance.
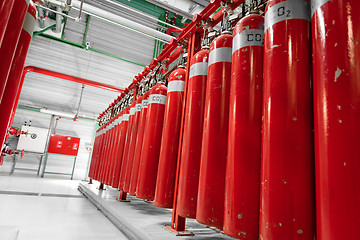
(58, 20)
(171, 8)
(126, 23)
(141, 13)
(41, 20)
(70, 78)
(56, 12)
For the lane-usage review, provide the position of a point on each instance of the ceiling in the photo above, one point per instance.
(114, 55)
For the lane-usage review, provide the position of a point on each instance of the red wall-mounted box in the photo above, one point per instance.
(64, 145)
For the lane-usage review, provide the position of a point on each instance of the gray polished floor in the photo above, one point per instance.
(53, 209)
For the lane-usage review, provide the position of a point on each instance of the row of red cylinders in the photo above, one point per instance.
(249, 162)
(17, 21)
(127, 151)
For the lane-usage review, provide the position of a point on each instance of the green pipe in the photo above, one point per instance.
(152, 9)
(86, 30)
(43, 30)
(144, 6)
(61, 40)
(65, 21)
(38, 111)
(111, 55)
(91, 49)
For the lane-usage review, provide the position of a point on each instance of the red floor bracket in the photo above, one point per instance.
(179, 233)
(216, 229)
(122, 197)
(101, 187)
(90, 182)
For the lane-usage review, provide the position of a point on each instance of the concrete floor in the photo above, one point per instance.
(67, 216)
(139, 219)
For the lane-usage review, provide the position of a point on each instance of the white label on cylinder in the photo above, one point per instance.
(316, 4)
(157, 98)
(132, 111)
(126, 117)
(138, 107)
(198, 69)
(145, 103)
(247, 38)
(29, 24)
(120, 119)
(286, 10)
(176, 86)
(222, 54)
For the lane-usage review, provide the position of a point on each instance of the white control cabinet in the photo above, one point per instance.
(34, 140)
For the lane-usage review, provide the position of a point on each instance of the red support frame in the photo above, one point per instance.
(178, 222)
(70, 78)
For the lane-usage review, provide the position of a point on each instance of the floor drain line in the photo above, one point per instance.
(40, 194)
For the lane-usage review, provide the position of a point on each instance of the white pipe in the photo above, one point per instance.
(57, 113)
(58, 20)
(141, 13)
(122, 20)
(121, 25)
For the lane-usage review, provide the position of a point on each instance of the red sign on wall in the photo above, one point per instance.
(64, 145)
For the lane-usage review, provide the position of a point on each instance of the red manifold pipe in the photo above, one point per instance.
(70, 78)
(220, 15)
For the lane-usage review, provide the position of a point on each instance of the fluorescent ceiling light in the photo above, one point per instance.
(57, 113)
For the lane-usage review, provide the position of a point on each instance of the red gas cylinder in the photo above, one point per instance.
(151, 145)
(120, 149)
(165, 182)
(210, 204)
(192, 135)
(109, 152)
(103, 153)
(99, 153)
(116, 162)
(126, 147)
(10, 40)
(115, 148)
(5, 11)
(114, 159)
(242, 186)
(106, 152)
(139, 144)
(93, 155)
(134, 132)
(113, 140)
(336, 75)
(287, 180)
